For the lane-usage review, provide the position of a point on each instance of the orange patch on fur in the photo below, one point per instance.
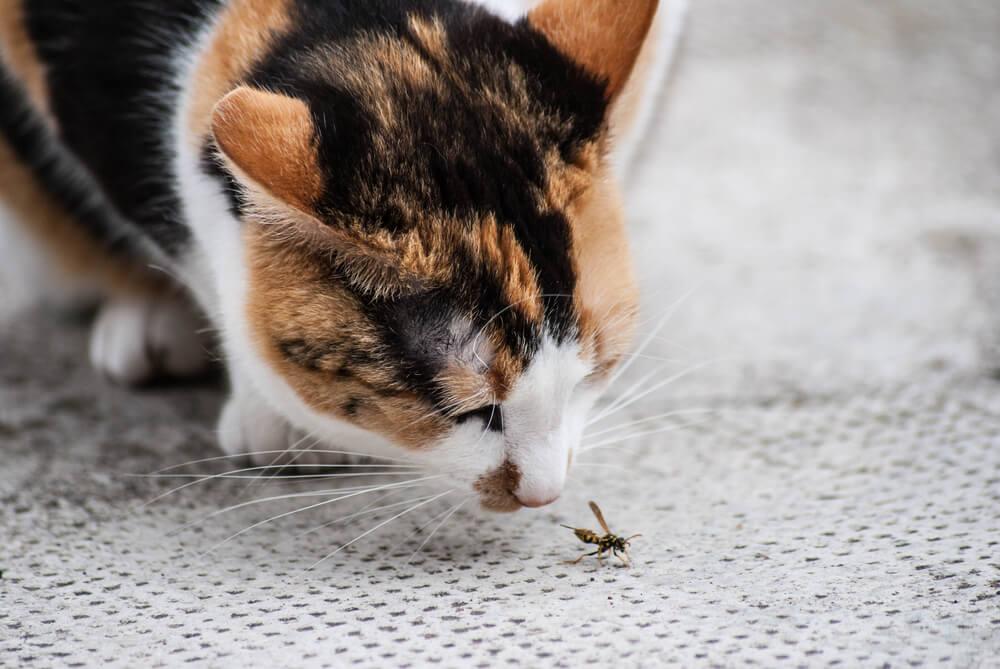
(18, 53)
(499, 249)
(245, 29)
(627, 107)
(57, 231)
(607, 296)
(292, 299)
(604, 36)
(271, 140)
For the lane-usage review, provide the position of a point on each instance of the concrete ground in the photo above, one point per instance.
(820, 201)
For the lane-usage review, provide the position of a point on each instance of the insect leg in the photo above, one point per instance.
(577, 561)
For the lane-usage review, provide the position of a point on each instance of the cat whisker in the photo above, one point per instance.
(367, 510)
(346, 493)
(635, 435)
(258, 477)
(234, 473)
(256, 453)
(510, 307)
(603, 465)
(451, 512)
(285, 515)
(658, 386)
(671, 310)
(379, 526)
(298, 453)
(626, 395)
(662, 416)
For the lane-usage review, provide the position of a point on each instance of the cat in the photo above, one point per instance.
(399, 217)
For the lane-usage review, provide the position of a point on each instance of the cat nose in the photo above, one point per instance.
(536, 500)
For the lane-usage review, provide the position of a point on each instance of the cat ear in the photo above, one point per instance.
(271, 142)
(270, 145)
(603, 36)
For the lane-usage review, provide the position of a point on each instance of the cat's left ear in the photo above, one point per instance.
(605, 37)
(270, 142)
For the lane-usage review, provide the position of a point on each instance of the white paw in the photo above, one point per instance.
(137, 340)
(250, 428)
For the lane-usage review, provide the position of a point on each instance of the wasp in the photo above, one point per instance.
(609, 543)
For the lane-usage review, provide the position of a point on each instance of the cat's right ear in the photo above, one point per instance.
(270, 144)
(605, 37)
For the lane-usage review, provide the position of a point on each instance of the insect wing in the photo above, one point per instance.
(600, 517)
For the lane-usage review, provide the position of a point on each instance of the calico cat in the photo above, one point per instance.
(398, 215)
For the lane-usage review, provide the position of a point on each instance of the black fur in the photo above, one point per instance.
(110, 77)
(61, 177)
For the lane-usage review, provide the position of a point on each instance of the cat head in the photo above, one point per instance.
(435, 245)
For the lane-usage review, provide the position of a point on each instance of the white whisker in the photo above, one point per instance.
(626, 395)
(450, 513)
(603, 465)
(363, 512)
(279, 517)
(618, 440)
(379, 526)
(655, 331)
(355, 491)
(224, 475)
(653, 389)
(253, 453)
(290, 477)
(662, 416)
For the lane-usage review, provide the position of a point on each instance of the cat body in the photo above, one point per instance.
(398, 216)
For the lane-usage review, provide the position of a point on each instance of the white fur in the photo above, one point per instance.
(135, 340)
(543, 421)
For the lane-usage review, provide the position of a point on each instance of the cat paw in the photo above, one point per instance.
(138, 340)
(249, 428)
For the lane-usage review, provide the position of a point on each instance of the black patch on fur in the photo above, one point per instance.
(352, 406)
(111, 80)
(56, 173)
(306, 354)
(491, 415)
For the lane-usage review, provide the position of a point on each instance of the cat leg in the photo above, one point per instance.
(137, 339)
(249, 427)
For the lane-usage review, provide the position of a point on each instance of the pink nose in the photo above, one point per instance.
(537, 501)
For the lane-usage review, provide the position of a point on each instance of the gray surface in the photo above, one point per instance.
(825, 183)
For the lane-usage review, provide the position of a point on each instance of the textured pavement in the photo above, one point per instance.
(820, 202)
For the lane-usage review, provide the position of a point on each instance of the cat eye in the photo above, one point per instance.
(491, 415)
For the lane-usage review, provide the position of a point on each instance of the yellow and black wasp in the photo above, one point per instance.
(609, 543)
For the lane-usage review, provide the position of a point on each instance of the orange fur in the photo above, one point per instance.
(604, 36)
(606, 294)
(18, 53)
(271, 139)
(72, 249)
(291, 298)
(630, 102)
(244, 30)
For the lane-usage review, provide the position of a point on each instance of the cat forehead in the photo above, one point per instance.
(442, 111)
